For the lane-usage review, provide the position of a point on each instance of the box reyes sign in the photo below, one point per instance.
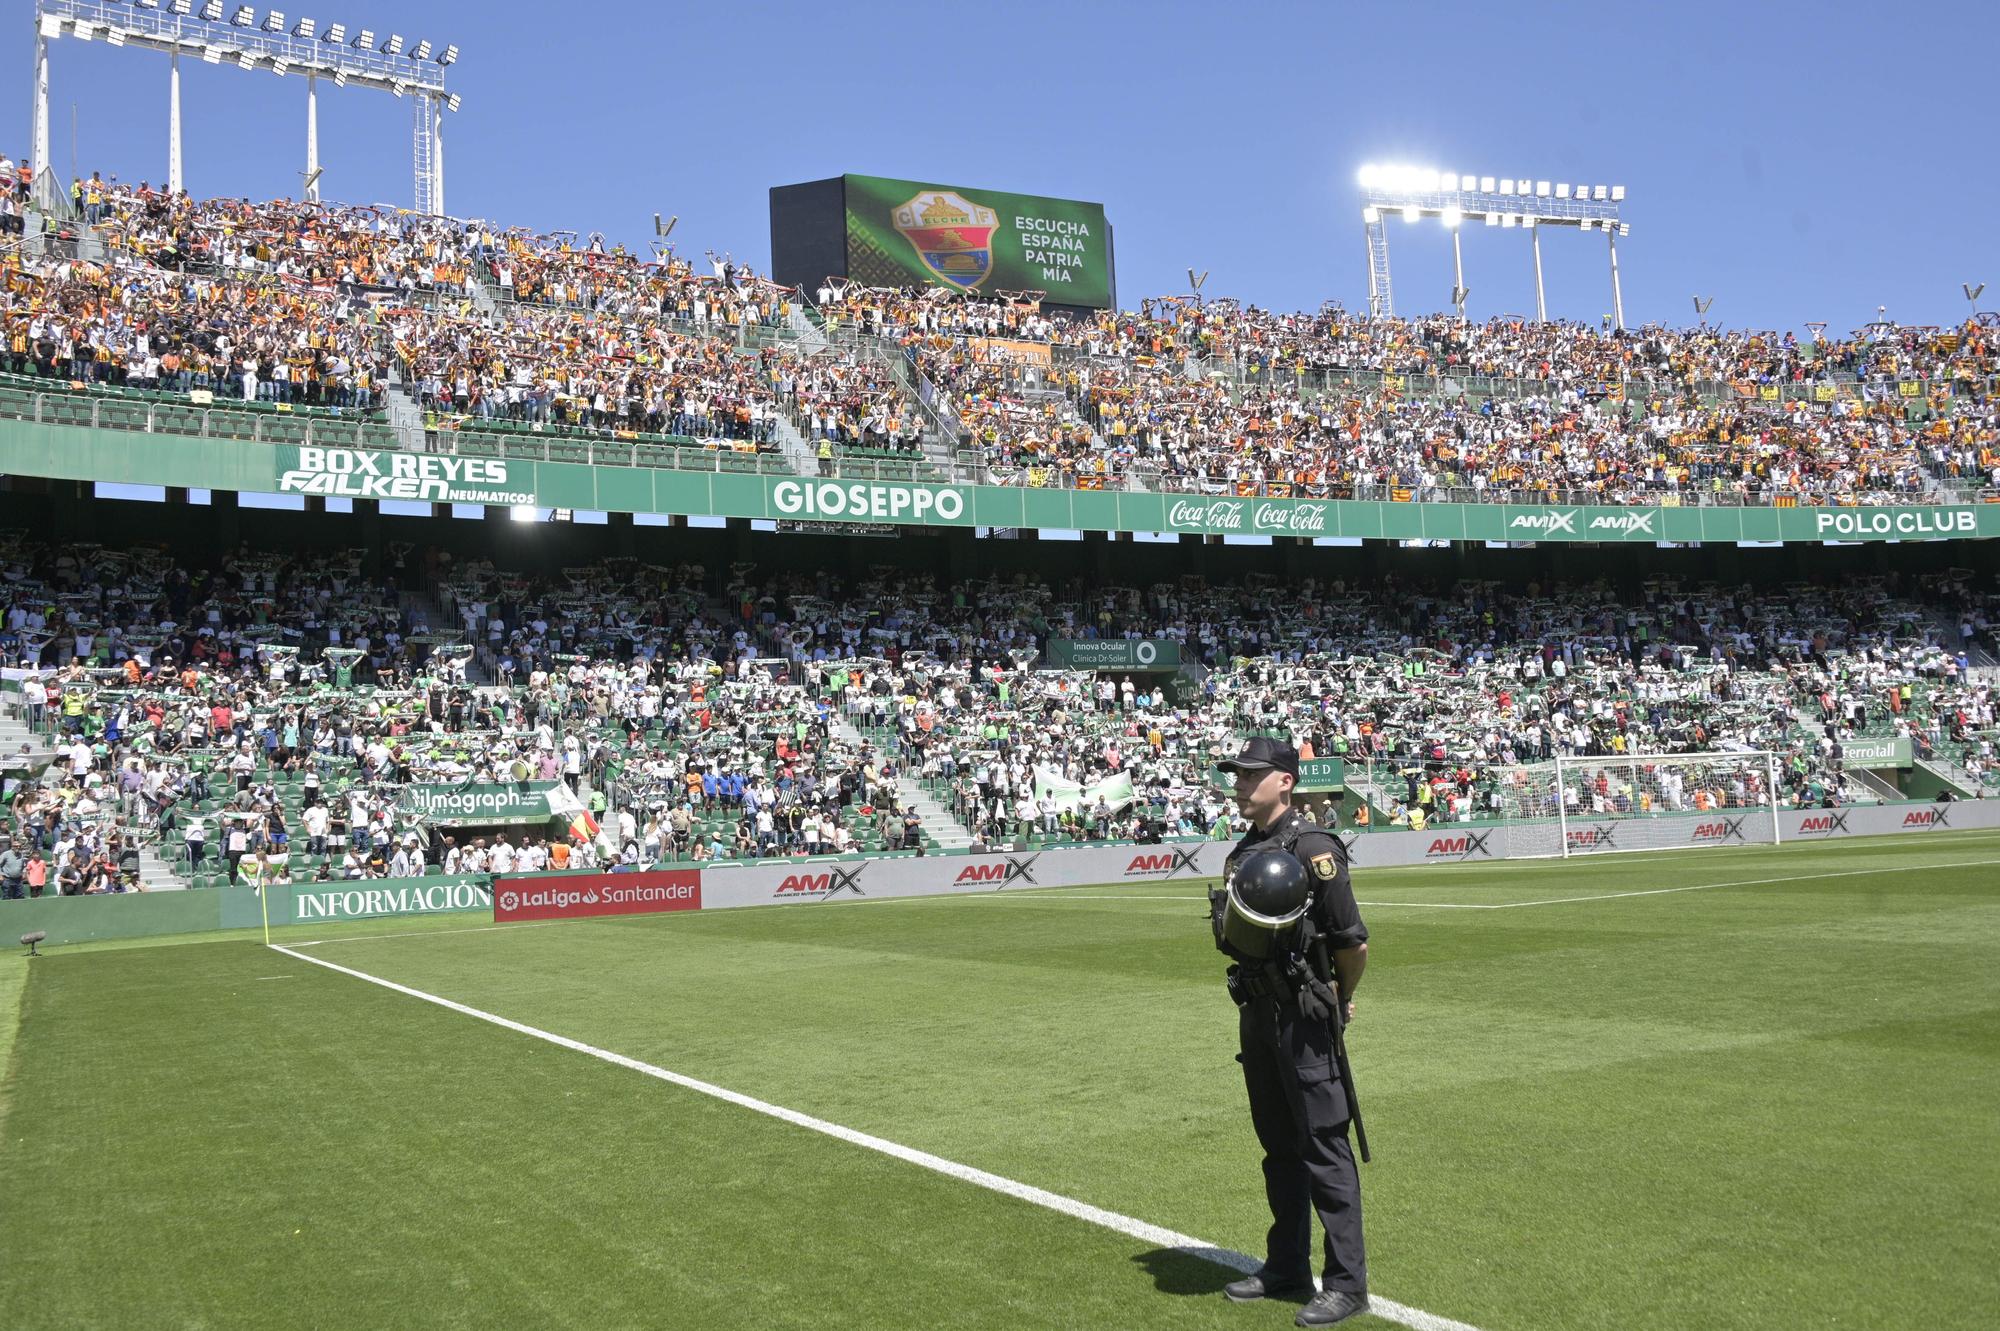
(535, 897)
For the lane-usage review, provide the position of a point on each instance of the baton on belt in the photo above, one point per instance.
(1322, 966)
(1347, 1073)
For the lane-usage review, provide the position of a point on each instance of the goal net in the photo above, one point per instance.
(1597, 806)
(1677, 801)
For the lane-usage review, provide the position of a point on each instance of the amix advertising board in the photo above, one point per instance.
(884, 232)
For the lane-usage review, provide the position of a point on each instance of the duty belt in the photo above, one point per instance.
(1254, 982)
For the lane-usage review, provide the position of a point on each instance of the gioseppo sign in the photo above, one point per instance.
(860, 501)
(356, 473)
(538, 897)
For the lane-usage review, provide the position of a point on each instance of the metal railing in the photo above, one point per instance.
(195, 420)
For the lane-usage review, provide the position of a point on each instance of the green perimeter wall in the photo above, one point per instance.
(203, 910)
(79, 453)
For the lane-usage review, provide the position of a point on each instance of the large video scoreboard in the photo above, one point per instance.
(882, 232)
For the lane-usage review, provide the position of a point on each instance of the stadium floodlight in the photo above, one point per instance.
(244, 17)
(84, 31)
(1453, 216)
(1541, 189)
(180, 8)
(392, 44)
(340, 78)
(1562, 190)
(211, 11)
(115, 36)
(274, 21)
(211, 55)
(1506, 187)
(449, 56)
(245, 60)
(1412, 213)
(1370, 216)
(451, 100)
(423, 51)
(364, 39)
(1617, 194)
(336, 33)
(304, 29)
(281, 67)
(1493, 219)
(145, 4)
(397, 89)
(1365, 177)
(1448, 183)
(1486, 184)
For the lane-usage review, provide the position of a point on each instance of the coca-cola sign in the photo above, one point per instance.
(1273, 517)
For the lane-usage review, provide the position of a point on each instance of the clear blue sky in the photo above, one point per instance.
(1796, 162)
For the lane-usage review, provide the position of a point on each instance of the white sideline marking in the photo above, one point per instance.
(1415, 1318)
(429, 933)
(1696, 887)
(1068, 895)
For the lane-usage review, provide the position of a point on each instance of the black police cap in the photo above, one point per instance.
(1260, 753)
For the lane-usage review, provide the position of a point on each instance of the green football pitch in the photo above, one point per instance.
(1755, 1088)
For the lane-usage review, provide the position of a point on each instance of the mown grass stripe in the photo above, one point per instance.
(1389, 1309)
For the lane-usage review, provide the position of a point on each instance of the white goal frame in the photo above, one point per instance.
(1598, 832)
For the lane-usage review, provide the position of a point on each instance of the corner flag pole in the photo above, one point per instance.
(264, 901)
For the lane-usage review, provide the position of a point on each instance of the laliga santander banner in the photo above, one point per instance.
(572, 896)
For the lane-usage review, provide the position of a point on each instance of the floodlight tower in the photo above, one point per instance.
(1418, 192)
(179, 27)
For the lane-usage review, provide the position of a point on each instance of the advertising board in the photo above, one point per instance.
(72, 452)
(576, 896)
(963, 238)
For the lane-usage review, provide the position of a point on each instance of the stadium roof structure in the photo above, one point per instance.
(1503, 201)
(221, 33)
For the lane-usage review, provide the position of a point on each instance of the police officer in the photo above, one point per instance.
(1287, 1012)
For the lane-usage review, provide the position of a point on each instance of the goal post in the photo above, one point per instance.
(1665, 801)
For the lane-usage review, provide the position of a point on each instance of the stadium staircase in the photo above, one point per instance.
(406, 415)
(797, 452)
(482, 295)
(807, 334)
(1938, 771)
(22, 746)
(937, 823)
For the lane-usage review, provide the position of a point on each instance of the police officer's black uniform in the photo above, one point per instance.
(1297, 1103)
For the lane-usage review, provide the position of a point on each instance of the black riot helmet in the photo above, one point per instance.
(1269, 893)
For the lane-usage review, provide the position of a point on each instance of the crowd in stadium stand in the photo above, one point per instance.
(14, 180)
(1528, 410)
(170, 332)
(268, 712)
(303, 301)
